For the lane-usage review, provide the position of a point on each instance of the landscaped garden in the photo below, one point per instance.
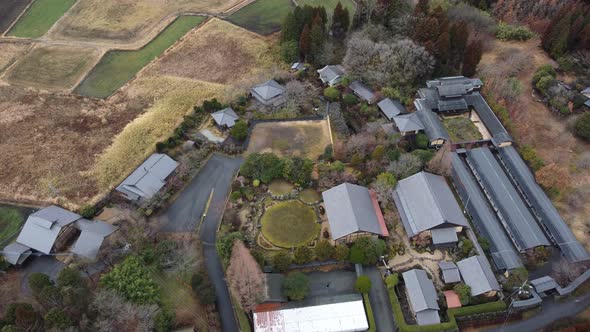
(289, 224)
(461, 129)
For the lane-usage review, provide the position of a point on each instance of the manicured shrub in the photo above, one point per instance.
(582, 126)
(324, 250)
(38, 281)
(341, 252)
(331, 93)
(239, 131)
(464, 292)
(303, 255)
(282, 261)
(296, 286)
(421, 141)
(350, 99)
(362, 284)
(56, 318)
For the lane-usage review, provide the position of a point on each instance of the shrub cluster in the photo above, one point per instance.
(267, 167)
(512, 32)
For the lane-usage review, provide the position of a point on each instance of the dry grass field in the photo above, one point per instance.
(127, 20)
(53, 67)
(306, 139)
(10, 52)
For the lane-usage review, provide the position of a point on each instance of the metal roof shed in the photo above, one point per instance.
(225, 117)
(422, 297)
(16, 253)
(512, 211)
(484, 219)
(362, 91)
(544, 284)
(478, 275)
(391, 108)
(450, 272)
(332, 74)
(558, 230)
(148, 178)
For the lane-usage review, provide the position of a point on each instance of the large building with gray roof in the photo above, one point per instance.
(408, 124)
(353, 212)
(433, 128)
(426, 205)
(478, 275)
(556, 228)
(363, 92)
(43, 228)
(391, 108)
(225, 118)
(269, 93)
(422, 297)
(148, 178)
(513, 213)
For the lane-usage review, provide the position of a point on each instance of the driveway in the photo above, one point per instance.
(184, 215)
(43, 264)
(550, 312)
(380, 301)
(331, 283)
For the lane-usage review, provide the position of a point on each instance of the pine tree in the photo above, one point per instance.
(340, 22)
(443, 48)
(459, 34)
(289, 28)
(317, 39)
(305, 41)
(472, 57)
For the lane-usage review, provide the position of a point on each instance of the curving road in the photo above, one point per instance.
(184, 216)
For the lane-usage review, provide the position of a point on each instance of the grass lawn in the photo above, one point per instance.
(53, 67)
(40, 17)
(263, 16)
(289, 224)
(280, 187)
(309, 196)
(330, 5)
(118, 67)
(179, 299)
(10, 222)
(461, 129)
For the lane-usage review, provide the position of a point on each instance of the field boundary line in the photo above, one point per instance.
(101, 54)
(10, 67)
(66, 14)
(4, 34)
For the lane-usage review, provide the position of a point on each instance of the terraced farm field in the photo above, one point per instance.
(9, 11)
(10, 51)
(118, 67)
(263, 16)
(39, 18)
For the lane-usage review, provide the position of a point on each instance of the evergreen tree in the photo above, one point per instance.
(459, 34)
(317, 39)
(289, 28)
(443, 48)
(472, 57)
(305, 41)
(340, 22)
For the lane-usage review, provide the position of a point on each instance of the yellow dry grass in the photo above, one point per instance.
(123, 20)
(10, 52)
(53, 67)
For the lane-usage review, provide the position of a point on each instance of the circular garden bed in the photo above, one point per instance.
(280, 188)
(310, 196)
(289, 224)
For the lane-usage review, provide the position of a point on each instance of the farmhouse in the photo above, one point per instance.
(478, 275)
(148, 178)
(427, 207)
(391, 108)
(363, 92)
(422, 297)
(450, 272)
(353, 212)
(332, 74)
(319, 314)
(225, 118)
(269, 93)
(408, 124)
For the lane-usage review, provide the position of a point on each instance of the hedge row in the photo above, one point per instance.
(369, 310)
(451, 325)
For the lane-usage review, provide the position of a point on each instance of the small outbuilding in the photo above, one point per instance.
(332, 74)
(363, 92)
(587, 103)
(225, 118)
(544, 284)
(450, 272)
(408, 124)
(269, 93)
(148, 178)
(16, 253)
(478, 275)
(586, 92)
(452, 298)
(422, 297)
(391, 108)
(298, 66)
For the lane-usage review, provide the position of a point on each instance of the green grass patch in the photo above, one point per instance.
(242, 319)
(289, 224)
(10, 222)
(309, 196)
(40, 17)
(280, 187)
(369, 311)
(461, 129)
(118, 67)
(263, 16)
(330, 5)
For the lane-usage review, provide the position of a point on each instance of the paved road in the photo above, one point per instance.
(380, 301)
(331, 283)
(185, 213)
(43, 264)
(550, 312)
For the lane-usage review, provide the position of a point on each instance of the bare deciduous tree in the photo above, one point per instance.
(244, 276)
(441, 162)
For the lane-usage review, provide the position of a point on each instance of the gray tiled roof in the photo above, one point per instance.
(331, 73)
(548, 215)
(456, 104)
(16, 253)
(93, 233)
(454, 90)
(427, 317)
(450, 272)
(225, 117)
(478, 275)
(484, 219)
(408, 122)
(425, 201)
(421, 294)
(489, 119)
(269, 89)
(433, 127)
(350, 209)
(43, 227)
(544, 284)
(514, 214)
(148, 178)
(444, 235)
(362, 91)
(587, 103)
(391, 108)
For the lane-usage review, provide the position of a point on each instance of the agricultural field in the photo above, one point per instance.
(307, 139)
(461, 129)
(53, 67)
(289, 224)
(10, 52)
(11, 220)
(330, 5)
(118, 67)
(263, 16)
(9, 11)
(40, 17)
(124, 21)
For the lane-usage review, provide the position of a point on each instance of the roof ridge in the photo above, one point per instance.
(347, 186)
(430, 191)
